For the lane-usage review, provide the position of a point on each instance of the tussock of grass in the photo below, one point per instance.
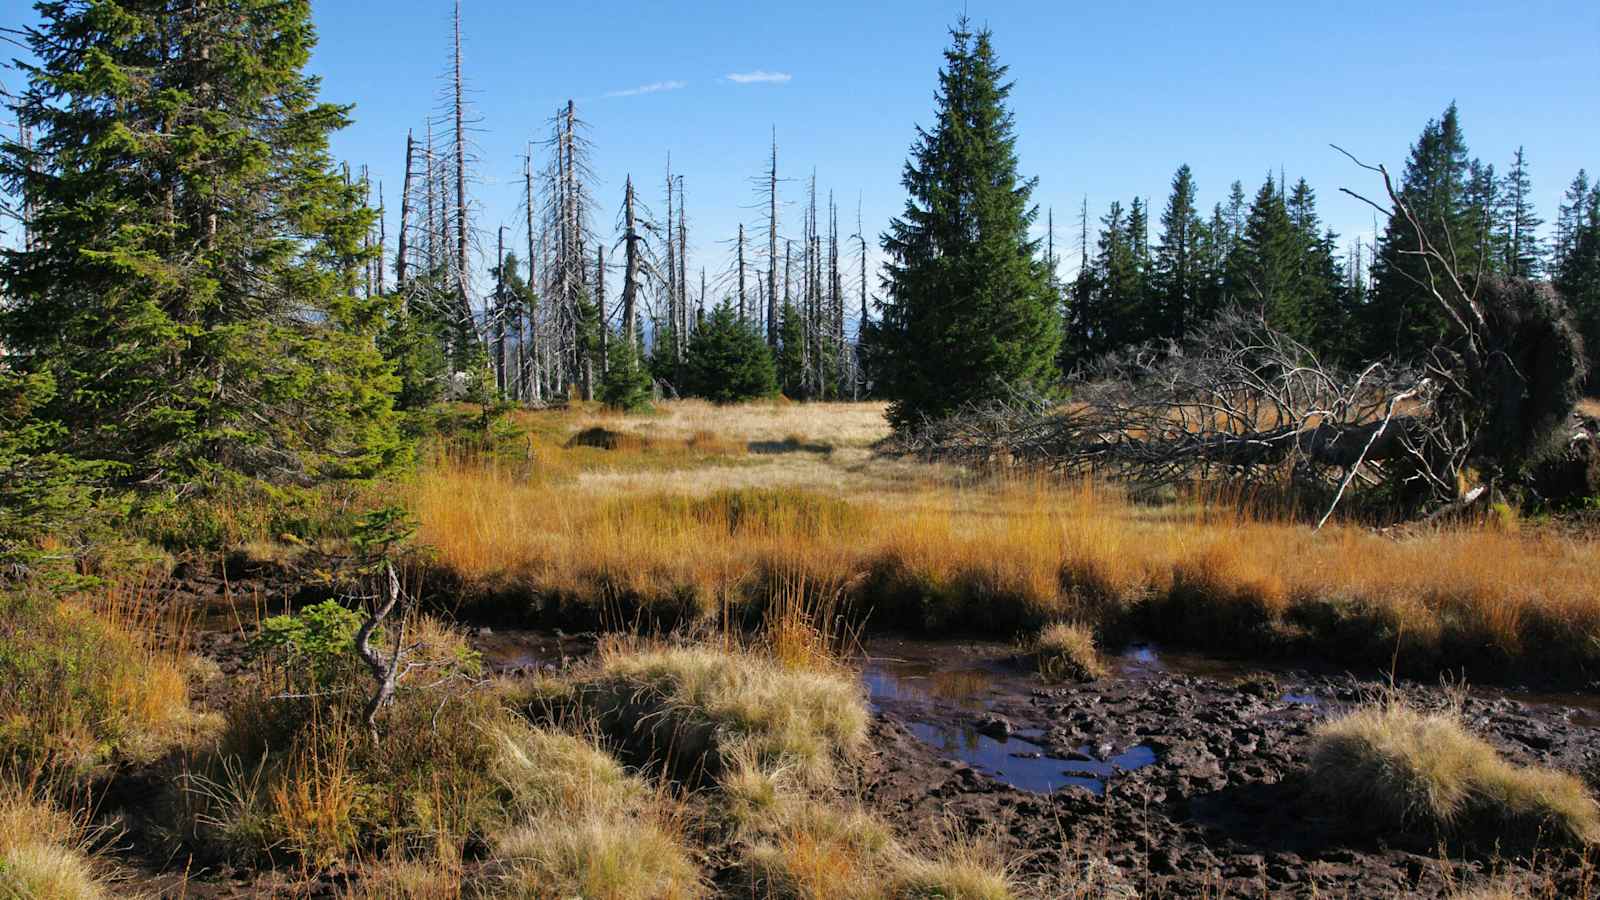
(963, 871)
(794, 846)
(1393, 766)
(810, 850)
(1066, 652)
(597, 859)
(43, 852)
(543, 770)
(588, 829)
(295, 773)
(702, 704)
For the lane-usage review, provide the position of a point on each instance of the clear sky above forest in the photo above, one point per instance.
(1109, 98)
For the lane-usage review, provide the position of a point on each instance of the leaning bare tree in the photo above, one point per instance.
(1488, 407)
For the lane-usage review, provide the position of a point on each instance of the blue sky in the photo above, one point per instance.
(1109, 98)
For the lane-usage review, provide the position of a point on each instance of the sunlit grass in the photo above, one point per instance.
(939, 549)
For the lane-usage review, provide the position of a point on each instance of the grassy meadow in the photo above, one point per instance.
(702, 512)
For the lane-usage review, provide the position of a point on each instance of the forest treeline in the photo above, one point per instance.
(199, 296)
(1269, 252)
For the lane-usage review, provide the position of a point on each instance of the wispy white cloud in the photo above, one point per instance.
(655, 88)
(760, 76)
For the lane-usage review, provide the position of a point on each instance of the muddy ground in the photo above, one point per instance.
(1176, 776)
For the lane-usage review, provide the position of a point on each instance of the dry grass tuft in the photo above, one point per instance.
(1066, 652)
(44, 853)
(703, 705)
(1394, 766)
(597, 859)
(406, 880)
(963, 868)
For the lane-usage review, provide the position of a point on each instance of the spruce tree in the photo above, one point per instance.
(1177, 276)
(1265, 272)
(728, 359)
(791, 359)
(1569, 218)
(191, 288)
(625, 384)
(1119, 308)
(1517, 223)
(969, 310)
(1577, 276)
(1445, 191)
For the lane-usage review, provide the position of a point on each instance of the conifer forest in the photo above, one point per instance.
(400, 498)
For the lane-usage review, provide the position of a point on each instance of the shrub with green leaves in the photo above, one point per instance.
(316, 644)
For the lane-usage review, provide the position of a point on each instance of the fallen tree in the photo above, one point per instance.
(1490, 408)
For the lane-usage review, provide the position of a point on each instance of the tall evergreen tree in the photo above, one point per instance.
(1265, 269)
(728, 359)
(1517, 223)
(969, 307)
(1445, 191)
(191, 288)
(1569, 217)
(1577, 274)
(1179, 269)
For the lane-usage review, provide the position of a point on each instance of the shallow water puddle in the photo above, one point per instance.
(919, 678)
(1023, 764)
(922, 680)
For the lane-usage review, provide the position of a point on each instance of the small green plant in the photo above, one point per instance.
(318, 641)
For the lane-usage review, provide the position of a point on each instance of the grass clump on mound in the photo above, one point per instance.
(701, 704)
(43, 852)
(800, 847)
(586, 827)
(1393, 766)
(1066, 652)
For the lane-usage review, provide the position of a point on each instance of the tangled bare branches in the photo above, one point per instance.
(1241, 401)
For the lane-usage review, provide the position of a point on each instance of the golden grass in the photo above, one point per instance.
(87, 679)
(44, 852)
(1005, 554)
(587, 828)
(1066, 652)
(706, 705)
(831, 424)
(1394, 766)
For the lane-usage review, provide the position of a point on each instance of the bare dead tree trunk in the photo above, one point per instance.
(500, 310)
(400, 260)
(672, 273)
(385, 672)
(683, 265)
(772, 246)
(600, 303)
(631, 264)
(463, 298)
(741, 273)
(383, 241)
(535, 375)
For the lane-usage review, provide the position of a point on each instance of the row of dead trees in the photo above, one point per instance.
(1489, 412)
(552, 338)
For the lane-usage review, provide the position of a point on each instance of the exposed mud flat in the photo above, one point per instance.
(1171, 778)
